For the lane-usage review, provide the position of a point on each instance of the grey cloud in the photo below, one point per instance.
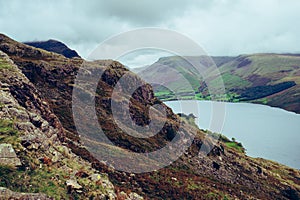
(146, 13)
(223, 27)
(142, 58)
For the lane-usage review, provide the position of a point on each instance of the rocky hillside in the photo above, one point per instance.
(56, 47)
(272, 79)
(50, 159)
(32, 153)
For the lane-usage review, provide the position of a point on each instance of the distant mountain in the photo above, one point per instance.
(54, 46)
(272, 79)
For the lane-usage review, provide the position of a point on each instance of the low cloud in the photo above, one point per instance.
(222, 27)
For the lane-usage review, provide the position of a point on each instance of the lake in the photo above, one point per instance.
(264, 131)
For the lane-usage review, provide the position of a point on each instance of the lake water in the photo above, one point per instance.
(264, 131)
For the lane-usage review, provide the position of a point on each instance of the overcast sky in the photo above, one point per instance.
(221, 27)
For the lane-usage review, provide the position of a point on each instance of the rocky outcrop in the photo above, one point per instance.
(8, 155)
(73, 185)
(8, 194)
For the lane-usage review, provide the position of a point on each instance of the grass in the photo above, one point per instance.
(269, 69)
(230, 81)
(229, 143)
(236, 145)
(49, 179)
(24, 180)
(8, 133)
(33, 181)
(7, 127)
(261, 63)
(262, 101)
(4, 64)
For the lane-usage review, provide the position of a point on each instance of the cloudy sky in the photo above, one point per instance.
(221, 27)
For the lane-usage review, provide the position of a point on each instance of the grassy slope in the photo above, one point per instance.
(240, 75)
(268, 69)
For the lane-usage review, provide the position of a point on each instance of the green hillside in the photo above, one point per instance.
(271, 79)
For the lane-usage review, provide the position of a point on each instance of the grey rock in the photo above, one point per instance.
(8, 155)
(45, 126)
(20, 114)
(73, 184)
(56, 157)
(95, 177)
(26, 127)
(8, 194)
(4, 85)
(5, 100)
(134, 196)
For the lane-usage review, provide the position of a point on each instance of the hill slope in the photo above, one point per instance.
(272, 79)
(43, 85)
(56, 47)
(45, 164)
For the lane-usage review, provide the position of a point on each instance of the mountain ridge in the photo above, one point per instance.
(54, 46)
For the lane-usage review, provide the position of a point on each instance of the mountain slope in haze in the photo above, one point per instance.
(55, 46)
(225, 173)
(272, 79)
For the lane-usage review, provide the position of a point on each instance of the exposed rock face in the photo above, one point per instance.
(37, 91)
(8, 194)
(8, 155)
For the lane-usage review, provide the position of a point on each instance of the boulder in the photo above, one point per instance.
(8, 194)
(73, 185)
(8, 155)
